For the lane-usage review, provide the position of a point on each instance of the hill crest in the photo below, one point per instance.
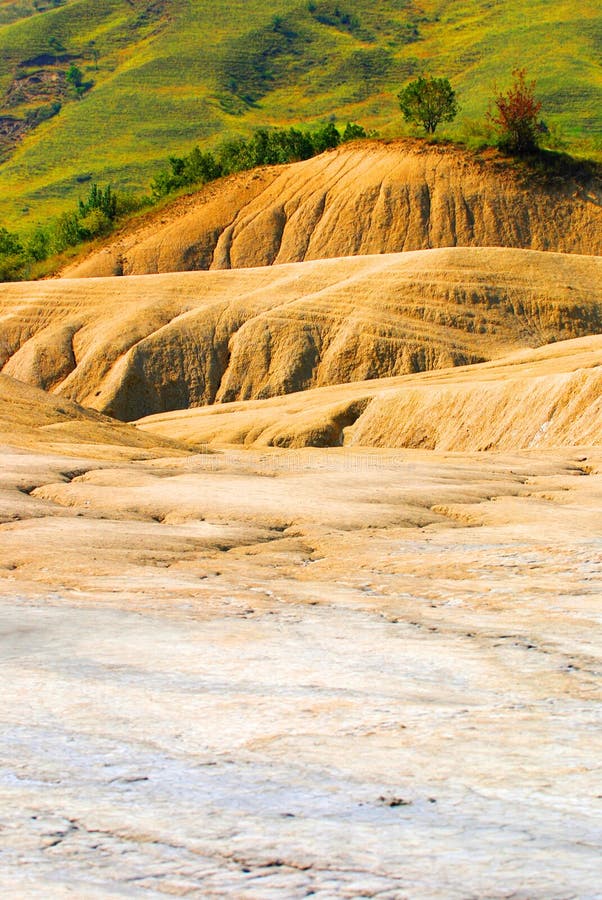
(363, 198)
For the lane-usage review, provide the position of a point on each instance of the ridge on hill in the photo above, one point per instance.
(363, 198)
(159, 76)
(134, 346)
(549, 397)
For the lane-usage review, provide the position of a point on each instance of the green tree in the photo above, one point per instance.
(37, 245)
(74, 75)
(295, 144)
(326, 138)
(10, 244)
(99, 199)
(11, 256)
(428, 101)
(353, 132)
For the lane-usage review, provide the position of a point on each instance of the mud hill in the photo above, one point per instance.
(363, 198)
(32, 418)
(134, 346)
(548, 397)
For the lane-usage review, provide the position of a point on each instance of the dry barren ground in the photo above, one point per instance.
(234, 665)
(148, 344)
(268, 673)
(548, 397)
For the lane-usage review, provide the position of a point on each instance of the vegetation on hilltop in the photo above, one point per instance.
(96, 215)
(49, 248)
(156, 85)
(428, 101)
(264, 148)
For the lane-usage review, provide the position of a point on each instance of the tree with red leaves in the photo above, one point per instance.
(515, 116)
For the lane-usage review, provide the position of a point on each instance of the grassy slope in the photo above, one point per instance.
(162, 83)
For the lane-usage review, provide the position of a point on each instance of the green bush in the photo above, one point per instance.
(95, 224)
(427, 102)
(353, 132)
(38, 245)
(267, 146)
(102, 201)
(11, 256)
(67, 232)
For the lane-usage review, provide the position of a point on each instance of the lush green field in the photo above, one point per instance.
(163, 75)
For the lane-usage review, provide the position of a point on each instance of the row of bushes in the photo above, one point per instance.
(93, 217)
(266, 147)
(22, 256)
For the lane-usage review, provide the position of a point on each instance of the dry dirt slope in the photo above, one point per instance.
(32, 418)
(135, 346)
(363, 198)
(550, 397)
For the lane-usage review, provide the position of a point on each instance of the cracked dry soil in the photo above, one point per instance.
(324, 673)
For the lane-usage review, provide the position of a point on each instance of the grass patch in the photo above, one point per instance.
(167, 75)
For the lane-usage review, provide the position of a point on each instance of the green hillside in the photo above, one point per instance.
(158, 76)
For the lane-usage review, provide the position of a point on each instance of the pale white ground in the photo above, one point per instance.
(271, 675)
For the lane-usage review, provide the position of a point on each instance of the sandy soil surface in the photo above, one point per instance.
(549, 397)
(251, 651)
(268, 673)
(133, 347)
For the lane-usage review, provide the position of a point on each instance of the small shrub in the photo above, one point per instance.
(327, 138)
(515, 116)
(11, 256)
(38, 244)
(95, 224)
(103, 201)
(67, 232)
(353, 132)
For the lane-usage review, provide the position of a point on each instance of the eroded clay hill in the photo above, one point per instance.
(32, 418)
(363, 198)
(550, 397)
(135, 346)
